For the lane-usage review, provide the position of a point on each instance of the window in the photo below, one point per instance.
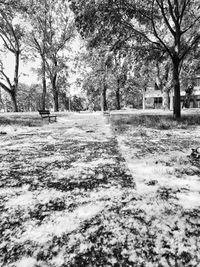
(197, 82)
(158, 100)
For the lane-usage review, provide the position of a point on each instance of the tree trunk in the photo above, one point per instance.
(44, 86)
(14, 88)
(118, 106)
(56, 103)
(16, 74)
(165, 98)
(14, 100)
(55, 94)
(103, 98)
(176, 82)
(1, 101)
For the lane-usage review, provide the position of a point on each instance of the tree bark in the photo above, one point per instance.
(118, 106)
(56, 102)
(103, 98)
(44, 86)
(165, 97)
(14, 100)
(16, 74)
(176, 82)
(55, 93)
(1, 101)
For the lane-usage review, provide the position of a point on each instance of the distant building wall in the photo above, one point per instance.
(153, 97)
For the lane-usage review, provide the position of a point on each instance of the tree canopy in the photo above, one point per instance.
(171, 27)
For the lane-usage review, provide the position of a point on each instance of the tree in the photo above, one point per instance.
(52, 28)
(121, 60)
(36, 17)
(60, 32)
(11, 33)
(169, 26)
(96, 81)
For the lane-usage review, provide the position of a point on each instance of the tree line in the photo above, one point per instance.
(127, 44)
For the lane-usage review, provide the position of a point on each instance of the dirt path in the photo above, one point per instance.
(62, 186)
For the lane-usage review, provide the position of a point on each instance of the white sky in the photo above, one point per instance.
(26, 74)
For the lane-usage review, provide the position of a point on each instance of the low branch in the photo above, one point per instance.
(6, 77)
(6, 44)
(5, 87)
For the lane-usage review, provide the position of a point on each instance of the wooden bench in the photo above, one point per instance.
(46, 114)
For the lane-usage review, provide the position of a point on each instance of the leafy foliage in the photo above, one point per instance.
(173, 31)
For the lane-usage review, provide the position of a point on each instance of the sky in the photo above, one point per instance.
(25, 69)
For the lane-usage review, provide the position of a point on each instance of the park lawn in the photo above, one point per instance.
(69, 198)
(157, 150)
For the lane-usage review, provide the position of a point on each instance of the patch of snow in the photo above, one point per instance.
(73, 131)
(26, 262)
(189, 200)
(94, 163)
(50, 159)
(62, 173)
(25, 199)
(60, 222)
(46, 195)
(9, 191)
(28, 199)
(3, 152)
(20, 146)
(111, 192)
(59, 260)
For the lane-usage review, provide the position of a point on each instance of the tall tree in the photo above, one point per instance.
(52, 28)
(97, 76)
(11, 34)
(171, 26)
(36, 15)
(60, 31)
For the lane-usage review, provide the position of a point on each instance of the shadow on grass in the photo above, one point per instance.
(160, 122)
(18, 121)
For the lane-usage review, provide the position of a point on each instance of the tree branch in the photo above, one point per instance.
(6, 77)
(139, 32)
(10, 48)
(10, 27)
(38, 47)
(183, 9)
(191, 25)
(5, 87)
(156, 34)
(196, 39)
(164, 16)
(171, 11)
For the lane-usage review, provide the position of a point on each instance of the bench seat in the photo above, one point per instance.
(46, 114)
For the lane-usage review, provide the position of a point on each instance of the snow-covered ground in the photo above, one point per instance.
(80, 192)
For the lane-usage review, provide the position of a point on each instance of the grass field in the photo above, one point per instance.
(81, 192)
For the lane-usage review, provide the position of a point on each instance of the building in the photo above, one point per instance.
(153, 96)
